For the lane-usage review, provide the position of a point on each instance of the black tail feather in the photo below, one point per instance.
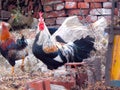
(59, 39)
(21, 43)
(83, 47)
(86, 44)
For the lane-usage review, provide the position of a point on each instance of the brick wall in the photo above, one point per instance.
(55, 11)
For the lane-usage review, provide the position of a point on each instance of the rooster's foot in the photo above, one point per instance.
(12, 71)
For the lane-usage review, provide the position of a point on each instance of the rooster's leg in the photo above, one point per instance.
(22, 65)
(12, 70)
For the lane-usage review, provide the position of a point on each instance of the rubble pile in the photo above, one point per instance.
(35, 69)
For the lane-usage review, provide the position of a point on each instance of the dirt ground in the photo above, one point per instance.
(18, 82)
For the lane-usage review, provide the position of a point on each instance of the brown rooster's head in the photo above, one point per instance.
(41, 22)
(4, 31)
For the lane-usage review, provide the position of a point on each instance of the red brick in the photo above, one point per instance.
(107, 5)
(55, 14)
(35, 85)
(95, 5)
(46, 84)
(83, 5)
(84, 12)
(70, 5)
(81, 78)
(5, 14)
(11, 7)
(48, 8)
(50, 21)
(67, 85)
(74, 0)
(73, 12)
(49, 2)
(73, 65)
(59, 6)
(0, 5)
(36, 15)
(116, 11)
(118, 5)
(78, 12)
(91, 19)
(95, 0)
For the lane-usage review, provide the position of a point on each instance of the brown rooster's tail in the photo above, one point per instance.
(21, 43)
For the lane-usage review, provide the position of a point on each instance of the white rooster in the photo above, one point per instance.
(72, 42)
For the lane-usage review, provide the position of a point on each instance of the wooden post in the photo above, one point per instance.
(113, 56)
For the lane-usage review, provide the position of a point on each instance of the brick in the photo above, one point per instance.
(50, 2)
(35, 85)
(118, 4)
(0, 5)
(84, 12)
(36, 15)
(78, 12)
(73, 12)
(70, 5)
(5, 14)
(50, 21)
(67, 85)
(55, 14)
(59, 6)
(11, 7)
(95, 5)
(46, 85)
(107, 5)
(116, 11)
(91, 18)
(83, 5)
(48, 8)
(100, 11)
(73, 65)
(81, 78)
(95, 0)
(74, 0)
(60, 20)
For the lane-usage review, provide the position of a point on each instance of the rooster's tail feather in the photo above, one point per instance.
(83, 47)
(21, 43)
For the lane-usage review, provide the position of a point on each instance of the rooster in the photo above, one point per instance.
(54, 51)
(10, 48)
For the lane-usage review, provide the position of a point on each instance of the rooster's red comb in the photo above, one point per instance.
(41, 23)
(40, 15)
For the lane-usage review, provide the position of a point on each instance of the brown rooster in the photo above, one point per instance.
(10, 48)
